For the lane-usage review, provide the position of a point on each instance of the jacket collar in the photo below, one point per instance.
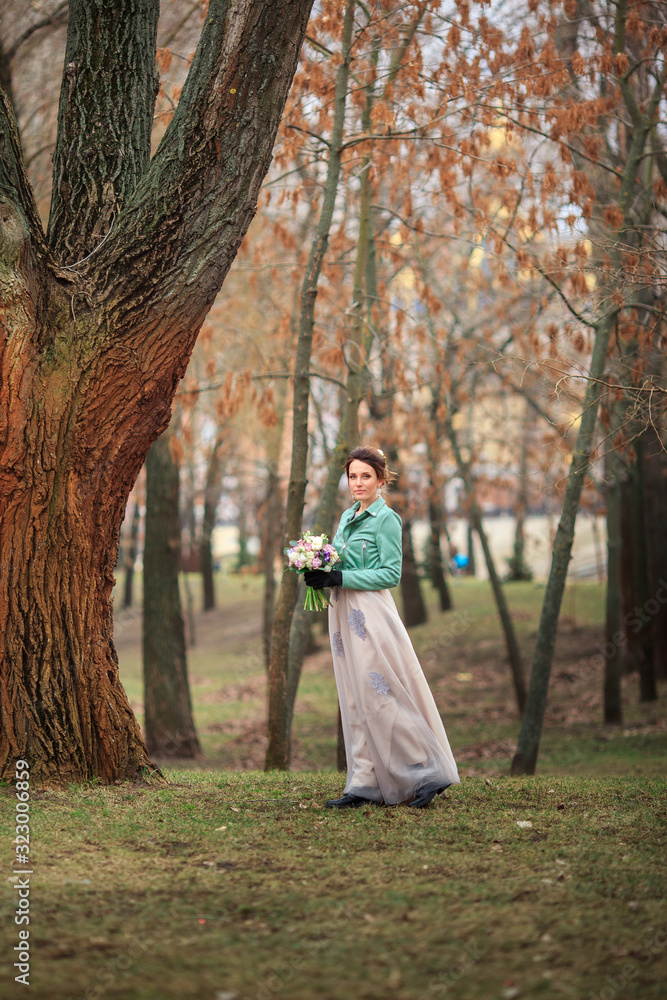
(373, 509)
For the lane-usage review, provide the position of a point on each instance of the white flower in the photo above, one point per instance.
(317, 542)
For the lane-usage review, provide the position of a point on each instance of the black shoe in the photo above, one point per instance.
(425, 795)
(348, 801)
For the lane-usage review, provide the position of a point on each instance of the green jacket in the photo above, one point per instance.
(370, 547)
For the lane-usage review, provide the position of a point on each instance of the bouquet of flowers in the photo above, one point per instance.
(312, 552)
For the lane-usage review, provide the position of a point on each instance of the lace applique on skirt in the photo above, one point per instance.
(379, 682)
(337, 644)
(357, 622)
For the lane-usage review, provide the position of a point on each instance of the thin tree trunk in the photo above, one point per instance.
(436, 509)
(243, 557)
(212, 492)
(341, 756)
(518, 570)
(414, 608)
(654, 489)
(131, 555)
(435, 561)
(613, 703)
(471, 569)
(277, 753)
(170, 729)
(647, 684)
(525, 759)
(633, 650)
(191, 628)
(475, 514)
(271, 534)
(357, 347)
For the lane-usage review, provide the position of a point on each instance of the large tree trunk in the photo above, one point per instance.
(96, 328)
(169, 726)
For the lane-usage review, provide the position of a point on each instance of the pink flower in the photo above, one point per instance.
(317, 562)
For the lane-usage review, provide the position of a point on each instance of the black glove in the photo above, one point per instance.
(318, 578)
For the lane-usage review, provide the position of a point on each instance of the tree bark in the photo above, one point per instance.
(169, 726)
(105, 118)
(95, 334)
(277, 753)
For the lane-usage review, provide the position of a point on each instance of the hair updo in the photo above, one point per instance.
(377, 461)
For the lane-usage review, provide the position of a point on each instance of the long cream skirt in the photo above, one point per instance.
(394, 737)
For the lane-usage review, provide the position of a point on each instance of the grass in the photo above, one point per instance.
(232, 884)
(242, 885)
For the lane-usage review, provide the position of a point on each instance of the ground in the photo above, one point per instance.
(230, 883)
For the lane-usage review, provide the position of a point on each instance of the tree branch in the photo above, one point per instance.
(105, 119)
(14, 184)
(180, 229)
(54, 20)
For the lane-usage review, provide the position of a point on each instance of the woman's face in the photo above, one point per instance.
(363, 482)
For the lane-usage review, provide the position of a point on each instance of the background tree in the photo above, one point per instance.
(169, 724)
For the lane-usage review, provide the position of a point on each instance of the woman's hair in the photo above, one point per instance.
(377, 461)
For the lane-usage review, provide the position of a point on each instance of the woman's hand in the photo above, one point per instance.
(318, 579)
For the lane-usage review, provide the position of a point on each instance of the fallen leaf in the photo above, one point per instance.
(524, 824)
(395, 980)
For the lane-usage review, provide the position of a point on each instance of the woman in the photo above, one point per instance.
(397, 749)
